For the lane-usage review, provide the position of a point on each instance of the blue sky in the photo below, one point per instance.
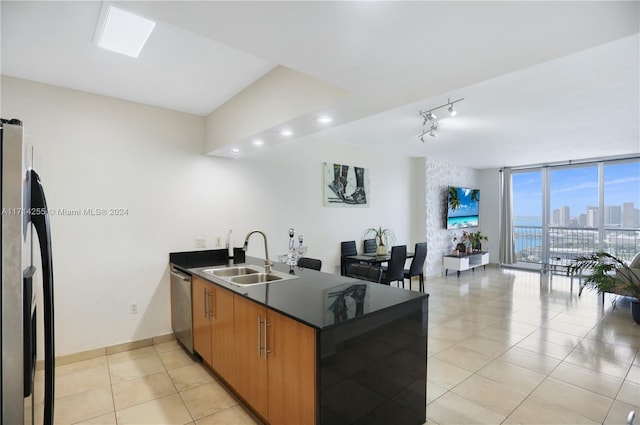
(467, 207)
(577, 188)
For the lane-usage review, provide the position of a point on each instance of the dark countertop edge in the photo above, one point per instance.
(258, 262)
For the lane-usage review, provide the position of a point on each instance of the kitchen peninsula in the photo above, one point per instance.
(314, 348)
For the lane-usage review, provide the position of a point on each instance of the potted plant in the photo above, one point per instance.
(383, 237)
(608, 273)
(476, 239)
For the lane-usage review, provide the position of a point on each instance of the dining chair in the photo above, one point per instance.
(395, 270)
(370, 246)
(347, 248)
(417, 265)
(364, 272)
(309, 263)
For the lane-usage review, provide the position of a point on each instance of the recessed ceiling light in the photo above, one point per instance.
(121, 31)
(257, 142)
(286, 132)
(235, 150)
(324, 119)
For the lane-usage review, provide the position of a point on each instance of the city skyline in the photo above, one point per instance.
(625, 215)
(576, 188)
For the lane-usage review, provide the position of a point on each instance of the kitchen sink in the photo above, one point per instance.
(252, 279)
(247, 275)
(232, 271)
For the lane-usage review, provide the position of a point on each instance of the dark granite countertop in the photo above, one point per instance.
(321, 300)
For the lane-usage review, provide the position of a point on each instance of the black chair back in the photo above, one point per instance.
(364, 272)
(417, 264)
(395, 271)
(347, 248)
(370, 246)
(309, 263)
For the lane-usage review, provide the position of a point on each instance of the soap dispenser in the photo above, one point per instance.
(229, 245)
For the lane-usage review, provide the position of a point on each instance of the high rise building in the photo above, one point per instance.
(613, 215)
(592, 217)
(565, 216)
(629, 215)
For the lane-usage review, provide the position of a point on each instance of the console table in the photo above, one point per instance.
(464, 262)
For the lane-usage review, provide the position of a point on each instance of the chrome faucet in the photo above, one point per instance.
(267, 262)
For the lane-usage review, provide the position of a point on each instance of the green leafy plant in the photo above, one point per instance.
(476, 239)
(607, 273)
(382, 236)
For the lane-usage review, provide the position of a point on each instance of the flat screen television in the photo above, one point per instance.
(462, 207)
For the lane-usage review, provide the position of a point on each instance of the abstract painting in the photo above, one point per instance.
(346, 186)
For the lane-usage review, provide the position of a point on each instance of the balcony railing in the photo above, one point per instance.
(570, 242)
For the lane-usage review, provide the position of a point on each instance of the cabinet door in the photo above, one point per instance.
(222, 333)
(250, 377)
(200, 300)
(291, 371)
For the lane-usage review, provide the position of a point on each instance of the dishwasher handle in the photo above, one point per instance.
(181, 276)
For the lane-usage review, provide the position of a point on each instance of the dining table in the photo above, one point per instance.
(374, 258)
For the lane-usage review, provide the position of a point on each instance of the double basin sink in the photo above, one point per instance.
(247, 275)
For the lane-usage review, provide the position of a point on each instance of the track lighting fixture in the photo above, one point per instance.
(429, 116)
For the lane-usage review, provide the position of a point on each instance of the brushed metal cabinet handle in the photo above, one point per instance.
(206, 303)
(212, 304)
(266, 341)
(259, 322)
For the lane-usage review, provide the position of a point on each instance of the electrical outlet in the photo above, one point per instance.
(133, 308)
(200, 242)
(218, 240)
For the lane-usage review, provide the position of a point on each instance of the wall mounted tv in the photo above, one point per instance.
(462, 207)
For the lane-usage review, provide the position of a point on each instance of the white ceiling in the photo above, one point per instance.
(542, 81)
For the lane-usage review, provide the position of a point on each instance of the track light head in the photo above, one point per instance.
(429, 116)
(432, 130)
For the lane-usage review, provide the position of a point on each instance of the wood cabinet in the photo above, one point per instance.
(291, 370)
(276, 364)
(200, 296)
(267, 357)
(222, 329)
(251, 372)
(213, 336)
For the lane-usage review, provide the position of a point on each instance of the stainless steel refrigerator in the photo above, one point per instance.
(25, 218)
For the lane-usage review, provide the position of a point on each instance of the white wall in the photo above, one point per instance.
(438, 177)
(99, 152)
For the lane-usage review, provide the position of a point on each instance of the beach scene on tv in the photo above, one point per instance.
(463, 206)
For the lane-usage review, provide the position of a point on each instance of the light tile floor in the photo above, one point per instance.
(517, 347)
(159, 384)
(505, 346)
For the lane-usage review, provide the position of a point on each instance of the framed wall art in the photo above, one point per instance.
(346, 185)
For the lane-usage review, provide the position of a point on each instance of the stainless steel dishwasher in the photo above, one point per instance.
(181, 319)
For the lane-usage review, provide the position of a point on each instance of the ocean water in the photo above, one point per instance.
(462, 222)
(527, 242)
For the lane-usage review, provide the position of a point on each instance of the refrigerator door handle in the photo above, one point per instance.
(39, 216)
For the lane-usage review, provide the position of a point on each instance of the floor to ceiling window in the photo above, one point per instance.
(621, 216)
(564, 211)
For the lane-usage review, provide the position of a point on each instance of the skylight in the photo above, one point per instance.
(122, 32)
